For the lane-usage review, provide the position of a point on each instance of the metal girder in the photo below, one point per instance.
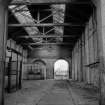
(46, 25)
(45, 10)
(46, 18)
(48, 43)
(53, 57)
(49, 31)
(36, 2)
(48, 36)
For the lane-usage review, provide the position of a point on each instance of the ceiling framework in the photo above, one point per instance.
(48, 36)
(34, 23)
(47, 43)
(37, 2)
(46, 25)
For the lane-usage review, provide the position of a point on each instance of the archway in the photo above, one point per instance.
(39, 68)
(61, 69)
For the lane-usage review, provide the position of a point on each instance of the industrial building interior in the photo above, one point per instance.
(52, 52)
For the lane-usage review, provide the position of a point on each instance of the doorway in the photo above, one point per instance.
(61, 69)
(38, 68)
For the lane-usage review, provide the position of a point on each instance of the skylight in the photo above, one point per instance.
(23, 15)
(58, 17)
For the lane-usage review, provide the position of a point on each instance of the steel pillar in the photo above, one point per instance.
(3, 36)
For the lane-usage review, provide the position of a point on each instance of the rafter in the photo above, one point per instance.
(49, 31)
(36, 2)
(48, 36)
(45, 18)
(46, 25)
(48, 43)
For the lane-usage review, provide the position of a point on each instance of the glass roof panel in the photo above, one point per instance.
(59, 12)
(24, 17)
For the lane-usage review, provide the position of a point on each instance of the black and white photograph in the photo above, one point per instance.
(52, 52)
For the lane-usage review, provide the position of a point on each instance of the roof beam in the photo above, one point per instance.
(48, 36)
(36, 2)
(46, 25)
(48, 44)
(54, 57)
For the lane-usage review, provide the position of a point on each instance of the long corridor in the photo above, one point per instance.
(51, 92)
(52, 52)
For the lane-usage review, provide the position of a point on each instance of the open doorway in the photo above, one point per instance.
(39, 68)
(61, 69)
(36, 70)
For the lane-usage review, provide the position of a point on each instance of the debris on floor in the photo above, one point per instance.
(51, 92)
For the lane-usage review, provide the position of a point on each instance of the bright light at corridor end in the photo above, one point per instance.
(61, 69)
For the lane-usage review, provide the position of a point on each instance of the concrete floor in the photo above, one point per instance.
(51, 92)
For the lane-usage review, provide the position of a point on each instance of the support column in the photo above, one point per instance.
(3, 36)
(100, 10)
(102, 50)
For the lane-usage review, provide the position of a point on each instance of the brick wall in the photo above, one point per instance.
(49, 56)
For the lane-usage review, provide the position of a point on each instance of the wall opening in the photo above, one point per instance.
(61, 69)
(36, 70)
